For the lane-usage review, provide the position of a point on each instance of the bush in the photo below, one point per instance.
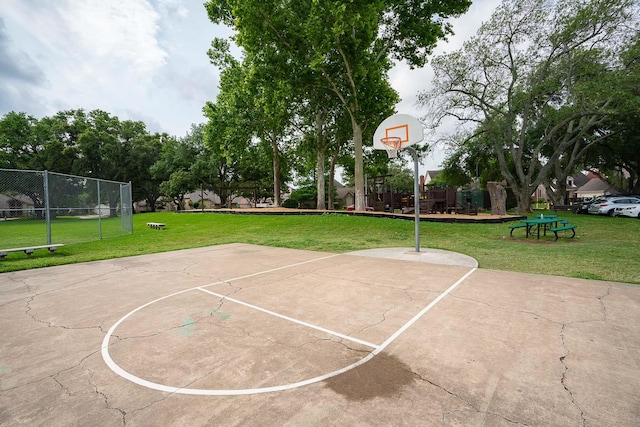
(289, 203)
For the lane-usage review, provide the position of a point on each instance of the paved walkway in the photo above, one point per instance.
(248, 335)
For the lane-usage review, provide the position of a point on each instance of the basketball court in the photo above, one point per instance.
(248, 335)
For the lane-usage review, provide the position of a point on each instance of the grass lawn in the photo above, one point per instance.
(604, 248)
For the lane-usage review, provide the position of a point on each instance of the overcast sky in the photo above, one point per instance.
(140, 60)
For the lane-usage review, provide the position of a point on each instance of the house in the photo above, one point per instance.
(430, 176)
(203, 199)
(102, 210)
(346, 195)
(574, 183)
(14, 206)
(596, 187)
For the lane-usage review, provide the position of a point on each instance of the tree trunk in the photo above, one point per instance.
(276, 171)
(320, 165)
(524, 201)
(359, 166)
(498, 196)
(332, 177)
(320, 180)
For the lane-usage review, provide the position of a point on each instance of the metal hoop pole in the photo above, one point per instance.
(416, 195)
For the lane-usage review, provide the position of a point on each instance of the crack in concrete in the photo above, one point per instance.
(51, 325)
(275, 341)
(374, 285)
(54, 377)
(24, 288)
(65, 389)
(343, 343)
(465, 401)
(210, 311)
(564, 376)
(122, 412)
(169, 394)
(604, 307)
(235, 289)
(383, 318)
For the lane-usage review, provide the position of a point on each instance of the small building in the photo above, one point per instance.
(596, 187)
(102, 210)
(346, 195)
(429, 176)
(574, 183)
(15, 206)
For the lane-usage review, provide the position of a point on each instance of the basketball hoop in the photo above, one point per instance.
(400, 132)
(391, 144)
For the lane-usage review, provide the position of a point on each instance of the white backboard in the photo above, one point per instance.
(403, 126)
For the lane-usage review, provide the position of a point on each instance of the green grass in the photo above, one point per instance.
(25, 232)
(604, 248)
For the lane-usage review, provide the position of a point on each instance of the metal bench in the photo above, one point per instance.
(29, 249)
(156, 225)
(513, 227)
(564, 228)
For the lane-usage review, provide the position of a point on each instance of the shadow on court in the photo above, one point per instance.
(248, 335)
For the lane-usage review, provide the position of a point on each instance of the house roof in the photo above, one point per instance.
(598, 185)
(343, 191)
(580, 179)
(205, 194)
(24, 199)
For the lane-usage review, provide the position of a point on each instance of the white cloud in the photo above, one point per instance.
(173, 8)
(90, 35)
(131, 58)
(142, 59)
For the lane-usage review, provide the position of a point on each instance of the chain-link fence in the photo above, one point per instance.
(41, 207)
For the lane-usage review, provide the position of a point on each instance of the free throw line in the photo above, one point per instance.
(291, 319)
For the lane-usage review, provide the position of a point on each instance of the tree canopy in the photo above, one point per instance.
(538, 81)
(343, 48)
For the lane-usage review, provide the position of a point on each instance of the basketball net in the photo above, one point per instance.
(392, 144)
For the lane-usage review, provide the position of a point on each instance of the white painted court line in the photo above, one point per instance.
(291, 319)
(236, 392)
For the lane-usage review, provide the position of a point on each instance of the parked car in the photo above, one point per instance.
(632, 211)
(353, 207)
(607, 207)
(584, 207)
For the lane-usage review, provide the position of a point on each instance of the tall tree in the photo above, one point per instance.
(523, 79)
(349, 44)
(173, 167)
(228, 132)
(18, 144)
(621, 152)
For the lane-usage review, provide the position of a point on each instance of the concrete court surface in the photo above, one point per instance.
(247, 335)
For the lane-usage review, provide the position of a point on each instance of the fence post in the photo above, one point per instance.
(47, 207)
(99, 211)
(130, 207)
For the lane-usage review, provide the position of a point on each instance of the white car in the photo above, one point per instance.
(607, 207)
(632, 211)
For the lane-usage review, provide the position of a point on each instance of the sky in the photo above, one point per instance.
(143, 60)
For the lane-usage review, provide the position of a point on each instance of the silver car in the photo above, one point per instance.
(632, 211)
(607, 207)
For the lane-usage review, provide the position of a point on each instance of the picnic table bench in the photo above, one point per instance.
(546, 222)
(515, 226)
(30, 249)
(156, 225)
(564, 228)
